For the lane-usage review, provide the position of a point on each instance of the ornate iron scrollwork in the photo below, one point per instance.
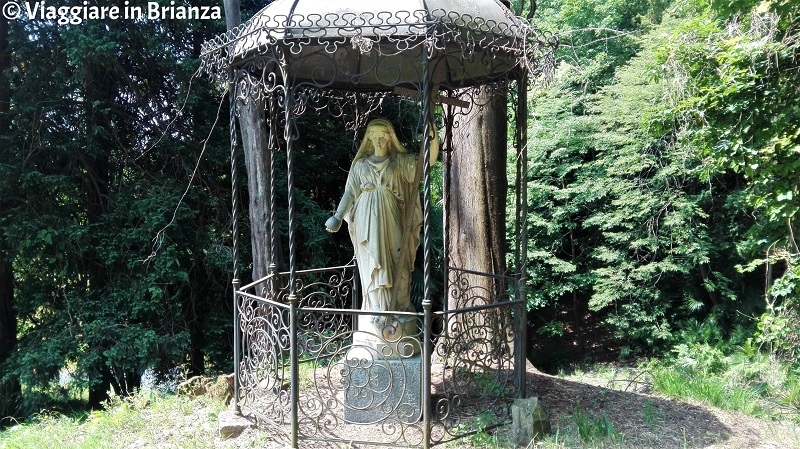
(302, 325)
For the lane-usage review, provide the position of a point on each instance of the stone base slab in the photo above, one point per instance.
(378, 390)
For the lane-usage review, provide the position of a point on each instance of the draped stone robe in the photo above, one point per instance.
(384, 224)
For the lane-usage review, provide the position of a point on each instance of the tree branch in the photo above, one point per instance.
(617, 34)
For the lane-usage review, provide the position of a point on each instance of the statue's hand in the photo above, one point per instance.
(333, 224)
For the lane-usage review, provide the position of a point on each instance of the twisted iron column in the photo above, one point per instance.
(293, 365)
(294, 383)
(522, 220)
(235, 231)
(428, 250)
(272, 146)
(447, 155)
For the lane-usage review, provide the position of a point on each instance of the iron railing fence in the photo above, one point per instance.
(352, 386)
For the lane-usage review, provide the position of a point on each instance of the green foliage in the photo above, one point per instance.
(596, 36)
(778, 333)
(736, 106)
(662, 173)
(118, 267)
(621, 223)
(592, 428)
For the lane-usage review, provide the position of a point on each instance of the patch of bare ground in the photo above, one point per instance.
(643, 419)
(639, 418)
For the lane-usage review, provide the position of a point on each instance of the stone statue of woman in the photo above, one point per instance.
(381, 205)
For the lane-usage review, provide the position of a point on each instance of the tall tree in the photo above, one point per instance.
(9, 388)
(94, 110)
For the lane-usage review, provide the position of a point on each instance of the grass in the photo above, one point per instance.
(482, 437)
(738, 379)
(651, 415)
(600, 411)
(713, 390)
(145, 420)
(753, 383)
(593, 428)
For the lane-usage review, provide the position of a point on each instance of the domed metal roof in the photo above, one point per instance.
(360, 45)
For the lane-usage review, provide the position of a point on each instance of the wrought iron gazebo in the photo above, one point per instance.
(295, 328)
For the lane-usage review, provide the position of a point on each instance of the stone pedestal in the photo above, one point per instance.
(529, 420)
(232, 424)
(377, 389)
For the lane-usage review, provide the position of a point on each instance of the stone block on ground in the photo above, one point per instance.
(221, 388)
(528, 420)
(194, 386)
(232, 424)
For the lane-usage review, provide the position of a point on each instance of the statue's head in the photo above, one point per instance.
(379, 126)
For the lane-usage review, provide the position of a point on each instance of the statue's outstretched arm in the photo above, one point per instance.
(335, 222)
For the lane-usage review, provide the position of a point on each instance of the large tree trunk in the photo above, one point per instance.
(8, 322)
(10, 392)
(95, 173)
(705, 273)
(257, 161)
(5, 64)
(475, 214)
(476, 206)
(195, 314)
(102, 382)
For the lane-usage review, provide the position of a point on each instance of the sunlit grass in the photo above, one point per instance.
(764, 388)
(145, 420)
(678, 384)
(754, 384)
